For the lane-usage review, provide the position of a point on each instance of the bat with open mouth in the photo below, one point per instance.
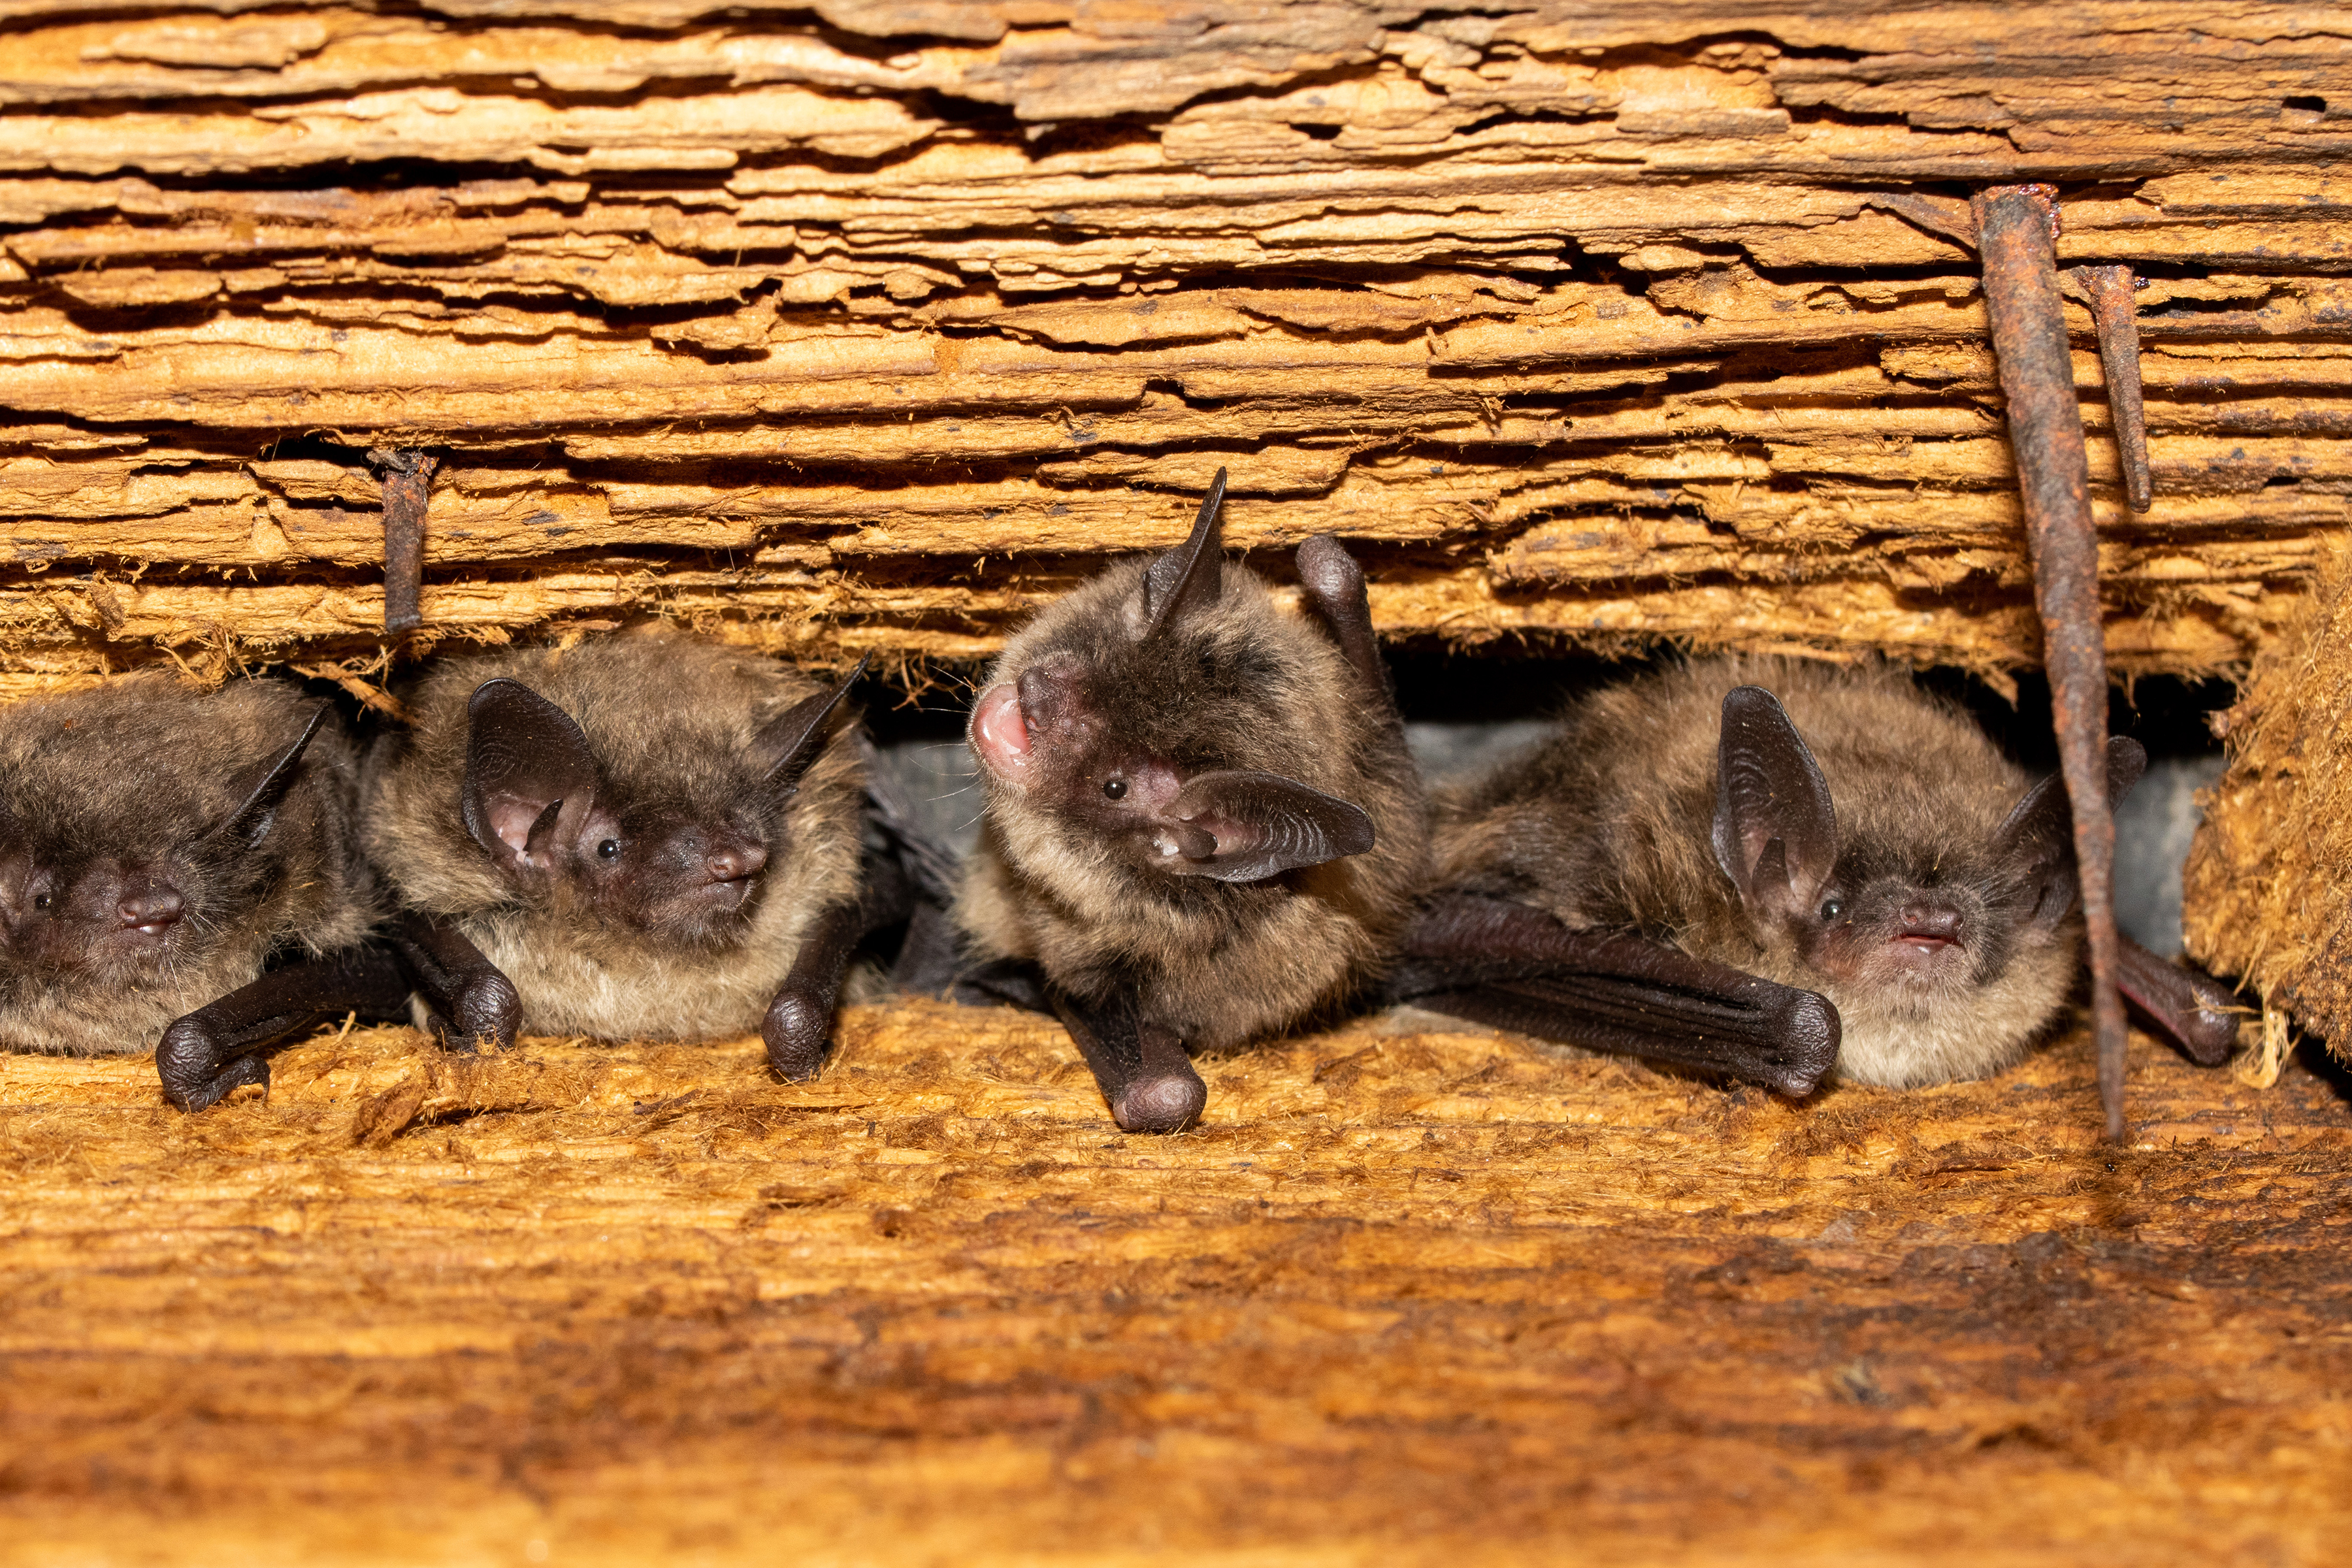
(1774, 871)
(646, 835)
(180, 868)
(1201, 825)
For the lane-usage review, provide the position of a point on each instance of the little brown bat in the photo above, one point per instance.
(167, 854)
(643, 835)
(1775, 871)
(1201, 821)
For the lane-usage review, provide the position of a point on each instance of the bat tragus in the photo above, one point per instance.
(180, 868)
(1201, 822)
(1846, 877)
(644, 835)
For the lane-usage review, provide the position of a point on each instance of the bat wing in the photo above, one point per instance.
(227, 1042)
(1504, 963)
(2194, 1011)
(1144, 1073)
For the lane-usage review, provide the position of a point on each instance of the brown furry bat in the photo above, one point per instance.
(1768, 868)
(643, 835)
(1201, 825)
(161, 847)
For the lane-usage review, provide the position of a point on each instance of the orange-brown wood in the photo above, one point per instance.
(1404, 1296)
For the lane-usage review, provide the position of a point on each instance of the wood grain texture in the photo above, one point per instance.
(1405, 1296)
(866, 328)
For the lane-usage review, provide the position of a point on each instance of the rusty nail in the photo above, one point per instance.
(2113, 308)
(2017, 232)
(406, 476)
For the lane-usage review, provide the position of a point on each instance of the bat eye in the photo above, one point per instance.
(1115, 788)
(41, 900)
(1831, 909)
(610, 849)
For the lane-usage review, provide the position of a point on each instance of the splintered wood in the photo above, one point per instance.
(1404, 1298)
(870, 329)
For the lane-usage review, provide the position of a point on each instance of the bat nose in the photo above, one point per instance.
(731, 860)
(1925, 922)
(151, 907)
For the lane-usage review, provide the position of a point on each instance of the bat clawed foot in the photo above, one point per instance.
(188, 1062)
(1167, 1101)
(484, 1012)
(797, 1029)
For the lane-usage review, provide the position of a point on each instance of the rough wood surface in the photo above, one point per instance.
(2267, 893)
(870, 330)
(1406, 1297)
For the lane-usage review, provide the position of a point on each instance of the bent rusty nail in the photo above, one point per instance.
(2017, 233)
(406, 475)
(2110, 290)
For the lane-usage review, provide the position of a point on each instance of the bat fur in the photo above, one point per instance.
(114, 805)
(1242, 685)
(1605, 825)
(671, 720)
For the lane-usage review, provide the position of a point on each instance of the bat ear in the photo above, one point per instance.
(258, 814)
(525, 761)
(1775, 831)
(795, 736)
(1191, 577)
(1246, 826)
(2037, 837)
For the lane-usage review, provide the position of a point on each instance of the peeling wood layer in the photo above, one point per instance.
(869, 332)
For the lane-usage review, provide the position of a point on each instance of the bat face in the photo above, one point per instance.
(681, 862)
(157, 846)
(1898, 915)
(1140, 723)
(61, 912)
(115, 887)
(1927, 929)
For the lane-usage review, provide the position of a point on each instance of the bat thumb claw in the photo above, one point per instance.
(193, 1078)
(796, 1029)
(1809, 1031)
(1164, 1103)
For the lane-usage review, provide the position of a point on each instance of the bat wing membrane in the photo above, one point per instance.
(1505, 964)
